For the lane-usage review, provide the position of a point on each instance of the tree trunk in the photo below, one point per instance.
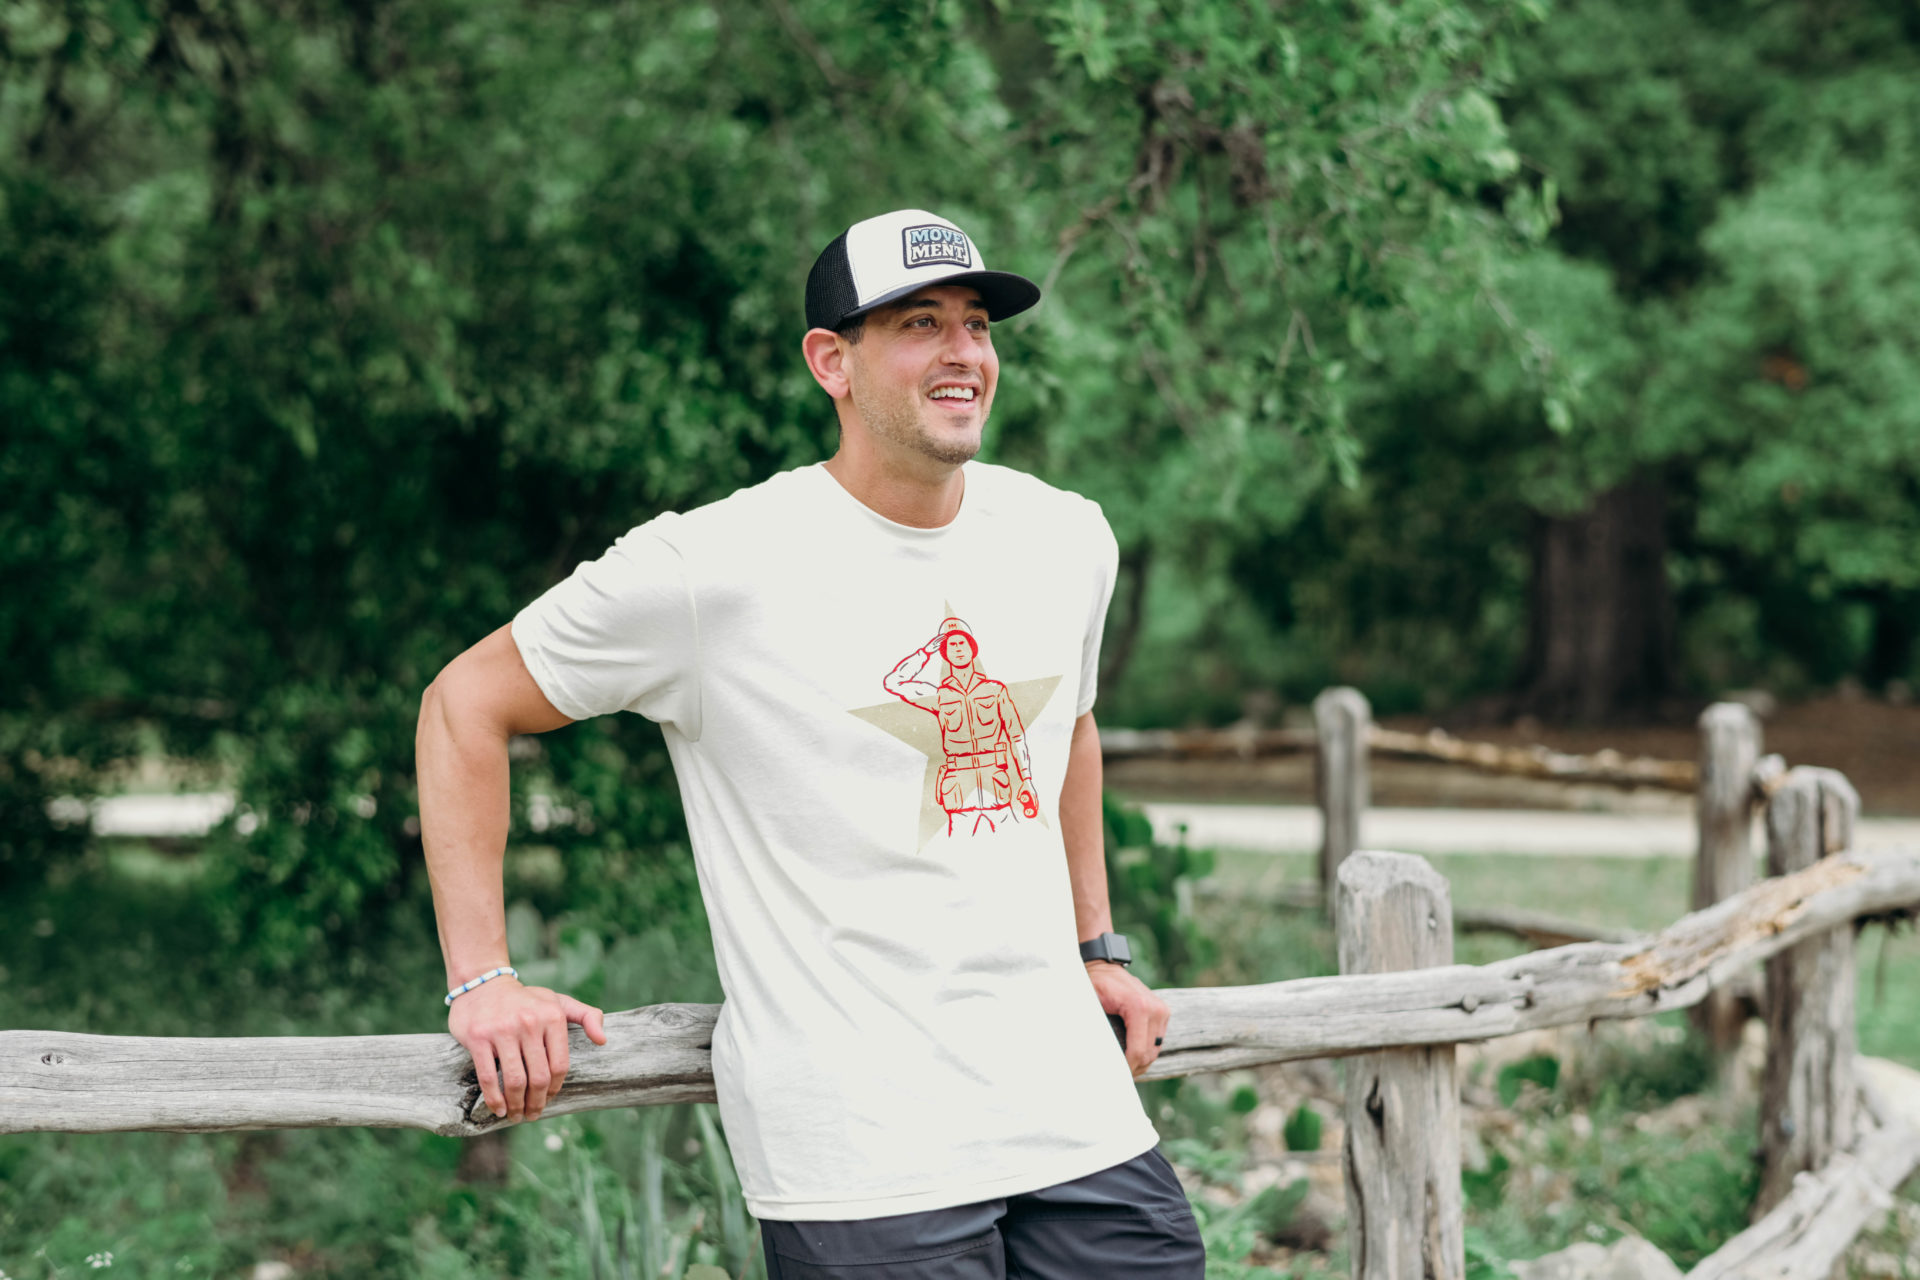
(1118, 653)
(1896, 628)
(1600, 626)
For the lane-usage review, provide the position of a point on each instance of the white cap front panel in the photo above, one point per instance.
(898, 250)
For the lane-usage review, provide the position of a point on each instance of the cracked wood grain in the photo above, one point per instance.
(1804, 1235)
(1401, 1153)
(62, 1081)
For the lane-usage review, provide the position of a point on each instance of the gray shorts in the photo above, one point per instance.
(1130, 1222)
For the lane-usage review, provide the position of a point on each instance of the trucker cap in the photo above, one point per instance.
(884, 259)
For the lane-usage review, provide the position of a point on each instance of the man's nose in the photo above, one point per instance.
(960, 348)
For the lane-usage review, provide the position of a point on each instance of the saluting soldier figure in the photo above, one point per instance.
(980, 731)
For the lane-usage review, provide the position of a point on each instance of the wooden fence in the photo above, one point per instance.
(1832, 1150)
(1727, 780)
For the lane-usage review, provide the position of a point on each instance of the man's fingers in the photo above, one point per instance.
(1146, 1024)
(556, 1058)
(513, 1079)
(591, 1020)
(1139, 1038)
(533, 1049)
(488, 1076)
(1147, 1016)
(1157, 1020)
(520, 1050)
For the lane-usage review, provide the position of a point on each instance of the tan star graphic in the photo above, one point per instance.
(921, 731)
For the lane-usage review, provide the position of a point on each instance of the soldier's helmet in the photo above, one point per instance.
(954, 626)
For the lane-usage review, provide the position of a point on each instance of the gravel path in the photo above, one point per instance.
(1264, 828)
(1277, 828)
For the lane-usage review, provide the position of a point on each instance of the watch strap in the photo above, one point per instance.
(1108, 946)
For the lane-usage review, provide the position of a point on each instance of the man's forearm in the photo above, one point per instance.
(461, 763)
(1083, 830)
(516, 1034)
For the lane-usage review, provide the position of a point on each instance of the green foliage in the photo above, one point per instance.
(1205, 1158)
(1482, 1262)
(1588, 1161)
(1717, 313)
(644, 1239)
(1273, 1208)
(330, 335)
(1486, 1188)
(1230, 1233)
(1302, 1130)
(1688, 1202)
(1542, 1069)
(114, 948)
(1150, 892)
(379, 1203)
(1687, 1191)
(1639, 1077)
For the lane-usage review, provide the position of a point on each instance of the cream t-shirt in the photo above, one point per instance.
(869, 723)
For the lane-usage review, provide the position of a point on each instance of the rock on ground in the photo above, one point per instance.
(1628, 1258)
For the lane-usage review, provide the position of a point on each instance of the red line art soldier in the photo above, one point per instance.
(987, 771)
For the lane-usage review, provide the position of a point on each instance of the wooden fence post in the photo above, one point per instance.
(1723, 862)
(1402, 1151)
(1807, 1091)
(1342, 719)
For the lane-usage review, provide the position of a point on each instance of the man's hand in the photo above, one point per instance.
(1145, 1013)
(525, 1028)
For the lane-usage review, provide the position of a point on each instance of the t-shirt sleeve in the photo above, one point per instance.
(619, 634)
(1105, 556)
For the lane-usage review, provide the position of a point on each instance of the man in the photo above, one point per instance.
(913, 1067)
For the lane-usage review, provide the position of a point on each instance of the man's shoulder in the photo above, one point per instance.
(1012, 492)
(743, 513)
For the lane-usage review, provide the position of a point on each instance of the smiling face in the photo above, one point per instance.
(922, 376)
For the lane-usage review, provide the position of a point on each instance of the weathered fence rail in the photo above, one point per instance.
(1402, 1155)
(1830, 1157)
(1539, 928)
(1606, 767)
(1831, 1152)
(59, 1081)
(1822, 1211)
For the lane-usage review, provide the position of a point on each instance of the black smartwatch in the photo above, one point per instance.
(1108, 946)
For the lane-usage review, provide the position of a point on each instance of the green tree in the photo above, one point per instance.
(1717, 485)
(374, 319)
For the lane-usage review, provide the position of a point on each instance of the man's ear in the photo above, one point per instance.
(826, 355)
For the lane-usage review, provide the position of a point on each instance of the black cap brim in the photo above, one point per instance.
(1005, 294)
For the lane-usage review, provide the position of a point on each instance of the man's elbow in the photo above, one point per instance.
(433, 720)
(454, 704)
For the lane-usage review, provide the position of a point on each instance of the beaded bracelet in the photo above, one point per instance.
(504, 971)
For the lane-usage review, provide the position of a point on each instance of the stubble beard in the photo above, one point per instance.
(902, 424)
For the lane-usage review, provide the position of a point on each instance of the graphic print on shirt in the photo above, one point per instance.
(971, 727)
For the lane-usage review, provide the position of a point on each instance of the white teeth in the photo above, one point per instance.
(952, 393)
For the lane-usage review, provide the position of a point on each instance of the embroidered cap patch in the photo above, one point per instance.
(927, 245)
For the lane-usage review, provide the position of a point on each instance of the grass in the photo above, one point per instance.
(1590, 1157)
(1638, 893)
(119, 948)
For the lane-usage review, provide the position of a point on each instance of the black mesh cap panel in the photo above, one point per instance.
(831, 296)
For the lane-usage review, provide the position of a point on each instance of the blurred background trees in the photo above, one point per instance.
(1557, 358)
